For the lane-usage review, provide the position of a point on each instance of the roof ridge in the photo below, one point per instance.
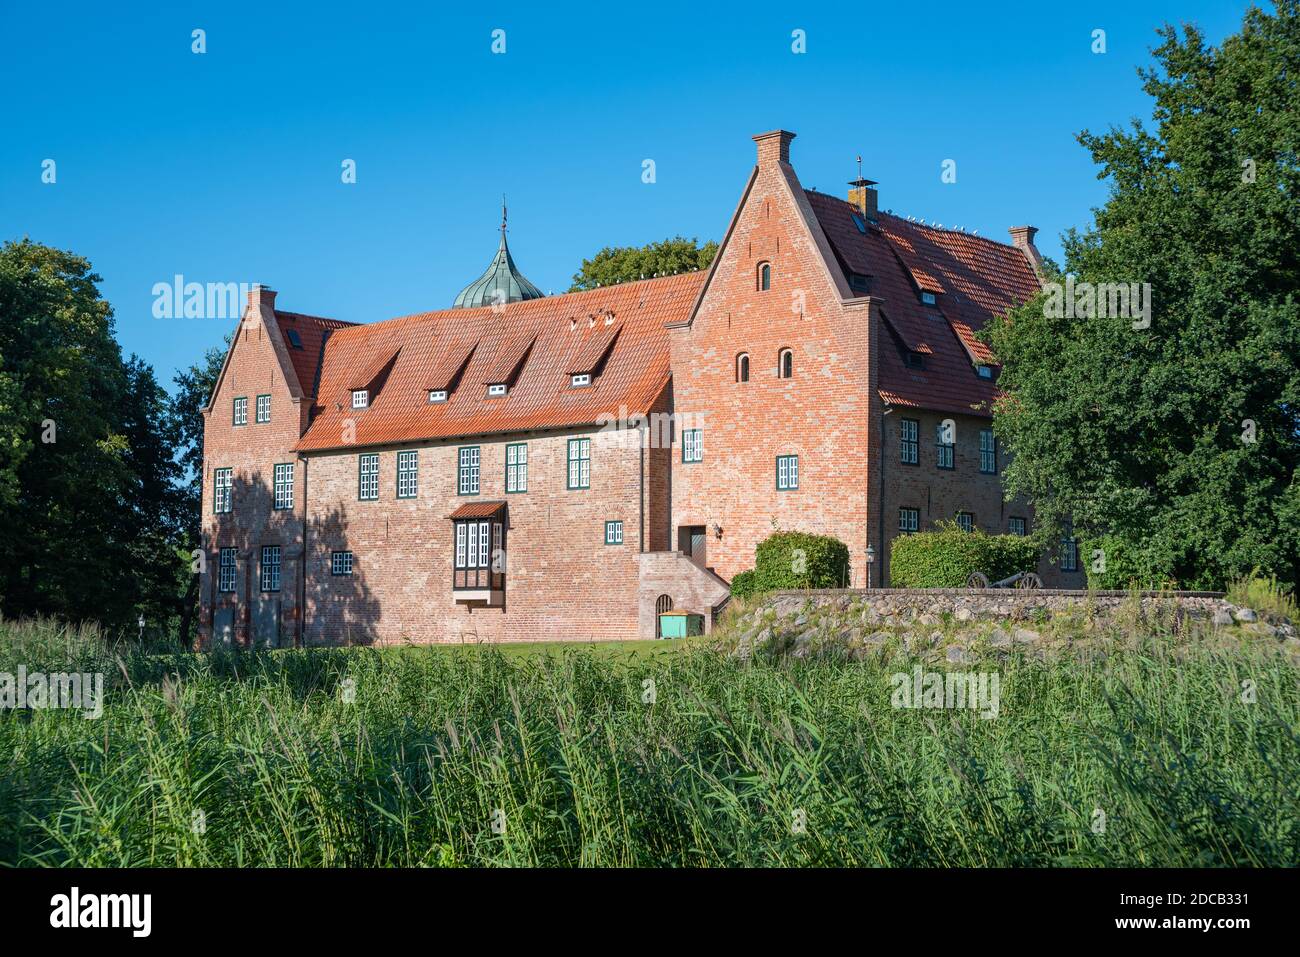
(909, 222)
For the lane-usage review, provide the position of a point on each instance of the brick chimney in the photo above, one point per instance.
(260, 295)
(773, 147)
(1022, 237)
(864, 198)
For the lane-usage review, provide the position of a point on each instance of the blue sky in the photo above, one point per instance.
(225, 167)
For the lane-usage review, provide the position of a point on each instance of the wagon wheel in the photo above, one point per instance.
(977, 580)
(1030, 581)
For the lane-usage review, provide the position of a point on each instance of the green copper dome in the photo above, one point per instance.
(501, 283)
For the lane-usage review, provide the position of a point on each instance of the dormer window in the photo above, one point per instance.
(360, 398)
(764, 277)
(580, 379)
(496, 389)
(437, 395)
(857, 221)
(295, 340)
(984, 372)
(914, 360)
(927, 298)
(859, 282)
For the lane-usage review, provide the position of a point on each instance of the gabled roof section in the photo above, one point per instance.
(509, 359)
(635, 373)
(973, 278)
(305, 353)
(595, 346)
(448, 369)
(375, 368)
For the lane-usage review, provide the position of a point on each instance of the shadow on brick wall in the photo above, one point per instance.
(339, 609)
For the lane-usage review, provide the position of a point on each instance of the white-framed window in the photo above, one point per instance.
(909, 520)
(360, 398)
(474, 543)
(496, 389)
(909, 443)
(988, 452)
(222, 490)
(614, 532)
(263, 408)
(408, 473)
(966, 521)
(284, 485)
(340, 563)
(368, 476)
(517, 467)
(787, 472)
(240, 414)
(943, 446)
(270, 568)
(467, 470)
(580, 379)
(226, 573)
(1016, 525)
(692, 445)
(437, 395)
(579, 463)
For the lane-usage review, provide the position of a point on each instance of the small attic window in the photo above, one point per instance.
(578, 380)
(294, 339)
(437, 395)
(859, 282)
(857, 221)
(984, 372)
(764, 277)
(913, 360)
(927, 298)
(360, 398)
(496, 389)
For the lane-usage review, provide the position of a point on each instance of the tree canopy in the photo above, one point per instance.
(1179, 439)
(615, 264)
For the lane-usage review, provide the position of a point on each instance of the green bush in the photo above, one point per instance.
(800, 560)
(946, 558)
(1124, 565)
(743, 584)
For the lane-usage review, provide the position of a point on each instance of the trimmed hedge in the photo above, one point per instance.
(794, 560)
(947, 557)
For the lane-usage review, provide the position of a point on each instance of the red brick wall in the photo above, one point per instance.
(822, 413)
(252, 451)
(563, 582)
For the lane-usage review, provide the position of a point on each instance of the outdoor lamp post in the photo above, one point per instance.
(871, 560)
(141, 624)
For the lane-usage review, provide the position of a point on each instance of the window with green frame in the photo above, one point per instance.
(222, 490)
(263, 408)
(692, 445)
(517, 467)
(240, 414)
(467, 470)
(368, 476)
(579, 463)
(408, 473)
(787, 472)
(614, 532)
(988, 452)
(283, 486)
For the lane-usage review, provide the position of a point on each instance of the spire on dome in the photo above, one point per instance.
(501, 283)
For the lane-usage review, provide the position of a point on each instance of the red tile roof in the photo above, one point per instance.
(312, 331)
(559, 329)
(478, 510)
(974, 278)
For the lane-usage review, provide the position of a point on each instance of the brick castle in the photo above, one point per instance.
(523, 466)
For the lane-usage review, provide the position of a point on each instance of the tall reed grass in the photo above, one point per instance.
(438, 757)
